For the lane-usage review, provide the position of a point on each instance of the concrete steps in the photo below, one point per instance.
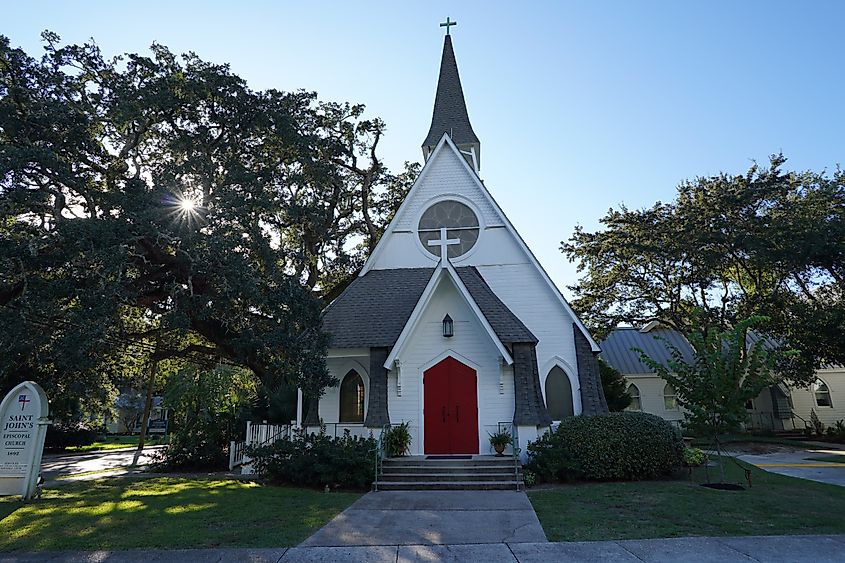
(420, 474)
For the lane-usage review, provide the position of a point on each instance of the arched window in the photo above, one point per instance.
(670, 399)
(634, 392)
(352, 398)
(559, 394)
(822, 393)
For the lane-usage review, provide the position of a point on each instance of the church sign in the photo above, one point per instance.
(23, 427)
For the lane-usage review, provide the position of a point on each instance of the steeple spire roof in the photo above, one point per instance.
(450, 111)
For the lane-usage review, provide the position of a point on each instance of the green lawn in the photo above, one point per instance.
(122, 513)
(117, 442)
(655, 509)
(829, 458)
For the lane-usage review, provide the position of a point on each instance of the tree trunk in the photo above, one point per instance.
(148, 406)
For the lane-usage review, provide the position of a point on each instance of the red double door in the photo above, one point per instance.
(450, 410)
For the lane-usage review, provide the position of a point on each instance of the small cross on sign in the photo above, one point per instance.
(447, 24)
(444, 244)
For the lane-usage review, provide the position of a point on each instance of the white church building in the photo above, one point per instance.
(453, 326)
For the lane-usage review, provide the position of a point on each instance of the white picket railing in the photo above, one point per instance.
(256, 435)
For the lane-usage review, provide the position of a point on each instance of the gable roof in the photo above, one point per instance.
(450, 114)
(652, 339)
(447, 144)
(616, 348)
(505, 323)
(445, 270)
(374, 309)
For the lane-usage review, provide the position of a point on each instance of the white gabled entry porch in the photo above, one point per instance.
(453, 390)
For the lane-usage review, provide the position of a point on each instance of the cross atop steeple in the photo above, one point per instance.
(444, 243)
(447, 24)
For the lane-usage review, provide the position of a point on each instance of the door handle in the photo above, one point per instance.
(457, 413)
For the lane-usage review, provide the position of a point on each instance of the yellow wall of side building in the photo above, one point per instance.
(803, 401)
(651, 396)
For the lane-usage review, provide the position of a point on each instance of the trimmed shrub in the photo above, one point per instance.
(613, 446)
(200, 446)
(68, 435)
(318, 460)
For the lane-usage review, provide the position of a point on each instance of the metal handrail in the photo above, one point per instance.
(794, 414)
(379, 451)
(284, 430)
(515, 449)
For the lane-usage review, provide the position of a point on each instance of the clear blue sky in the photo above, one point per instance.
(580, 106)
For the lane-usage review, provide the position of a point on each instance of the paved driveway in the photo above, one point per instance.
(80, 466)
(432, 517)
(796, 464)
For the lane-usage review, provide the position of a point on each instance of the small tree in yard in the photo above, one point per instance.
(726, 371)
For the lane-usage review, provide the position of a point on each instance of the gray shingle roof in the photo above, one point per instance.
(450, 109)
(504, 322)
(374, 309)
(616, 348)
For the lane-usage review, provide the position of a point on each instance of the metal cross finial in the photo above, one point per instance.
(447, 24)
(444, 244)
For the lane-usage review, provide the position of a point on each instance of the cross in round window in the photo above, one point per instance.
(460, 222)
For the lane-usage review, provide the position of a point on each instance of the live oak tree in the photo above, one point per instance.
(769, 242)
(155, 207)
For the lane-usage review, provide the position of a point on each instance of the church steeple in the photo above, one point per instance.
(450, 110)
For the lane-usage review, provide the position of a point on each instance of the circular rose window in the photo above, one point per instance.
(459, 221)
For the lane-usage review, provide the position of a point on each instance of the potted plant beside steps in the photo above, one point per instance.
(500, 440)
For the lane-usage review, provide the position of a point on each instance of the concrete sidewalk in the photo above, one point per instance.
(432, 517)
(797, 464)
(768, 549)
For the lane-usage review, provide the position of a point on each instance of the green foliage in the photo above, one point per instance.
(397, 440)
(728, 369)
(318, 460)
(836, 433)
(65, 435)
(613, 446)
(694, 457)
(529, 478)
(500, 438)
(159, 198)
(818, 425)
(615, 387)
(209, 410)
(728, 247)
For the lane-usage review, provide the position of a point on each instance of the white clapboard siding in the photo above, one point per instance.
(470, 345)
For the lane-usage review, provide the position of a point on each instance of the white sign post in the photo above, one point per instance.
(23, 427)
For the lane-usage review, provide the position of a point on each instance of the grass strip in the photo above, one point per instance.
(775, 504)
(120, 513)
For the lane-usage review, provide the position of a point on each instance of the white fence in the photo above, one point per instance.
(265, 434)
(256, 435)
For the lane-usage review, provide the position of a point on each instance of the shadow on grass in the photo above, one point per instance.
(774, 504)
(167, 512)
